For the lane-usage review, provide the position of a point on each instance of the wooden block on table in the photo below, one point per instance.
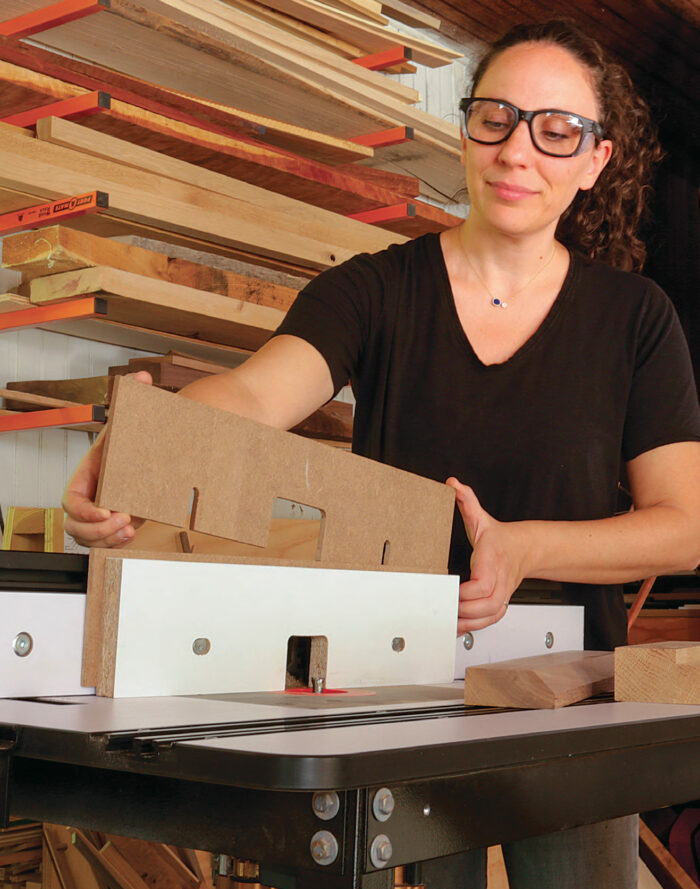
(658, 672)
(88, 390)
(543, 682)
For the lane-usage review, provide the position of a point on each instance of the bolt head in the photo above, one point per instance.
(381, 850)
(468, 641)
(22, 644)
(549, 640)
(325, 805)
(323, 847)
(383, 804)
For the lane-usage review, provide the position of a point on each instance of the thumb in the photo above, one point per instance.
(471, 510)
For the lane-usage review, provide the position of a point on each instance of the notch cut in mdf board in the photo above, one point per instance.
(658, 672)
(160, 448)
(541, 682)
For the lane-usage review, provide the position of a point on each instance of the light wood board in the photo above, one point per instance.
(542, 682)
(658, 672)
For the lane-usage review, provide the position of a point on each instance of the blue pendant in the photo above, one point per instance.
(498, 303)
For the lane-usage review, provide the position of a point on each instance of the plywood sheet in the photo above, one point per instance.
(373, 514)
(542, 682)
(658, 672)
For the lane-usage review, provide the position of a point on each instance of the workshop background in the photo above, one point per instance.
(282, 103)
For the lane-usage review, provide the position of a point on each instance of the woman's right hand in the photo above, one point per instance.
(86, 523)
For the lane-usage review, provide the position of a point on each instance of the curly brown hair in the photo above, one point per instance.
(603, 222)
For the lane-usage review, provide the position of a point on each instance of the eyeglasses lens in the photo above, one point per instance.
(556, 133)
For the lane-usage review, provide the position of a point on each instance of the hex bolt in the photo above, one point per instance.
(383, 804)
(223, 865)
(201, 645)
(549, 640)
(317, 684)
(22, 644)
(381, 850)
(398, 643)
(468, 641)
(323, 847)
(326, 805)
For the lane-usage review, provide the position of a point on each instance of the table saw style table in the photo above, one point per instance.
(330, 790)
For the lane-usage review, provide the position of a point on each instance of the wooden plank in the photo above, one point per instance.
(660, 862)
(162, 306)
(302, 232)
(666, 625)
(372, 37)
(79, 76)
(541, 682)
(87, 390)
(58, 249)
(658, 672)
(410, 15)
(340, 191)
(30, 401)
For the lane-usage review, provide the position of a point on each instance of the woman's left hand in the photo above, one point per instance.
(496, 563)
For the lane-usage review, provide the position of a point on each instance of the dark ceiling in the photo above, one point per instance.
(658, 42)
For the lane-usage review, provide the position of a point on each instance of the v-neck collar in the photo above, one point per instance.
(538, 336)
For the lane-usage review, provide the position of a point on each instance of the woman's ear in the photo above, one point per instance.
(599, 158)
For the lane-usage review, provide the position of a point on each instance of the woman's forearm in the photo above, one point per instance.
(658, 539)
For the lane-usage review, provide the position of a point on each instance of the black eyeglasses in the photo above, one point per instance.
(553, 132)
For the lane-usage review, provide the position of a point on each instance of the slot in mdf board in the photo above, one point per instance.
(162, 306)
(543, 682)
(208, 604)
(658, 672)
(303, 233)
(373, 514)
(80, 75)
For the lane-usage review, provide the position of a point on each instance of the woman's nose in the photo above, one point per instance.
(518, 147)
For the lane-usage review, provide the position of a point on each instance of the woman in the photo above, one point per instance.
(517, 354)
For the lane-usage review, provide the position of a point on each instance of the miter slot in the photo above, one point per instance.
(307, 662)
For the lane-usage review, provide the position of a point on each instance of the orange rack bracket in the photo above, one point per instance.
(78, 106)
(384, 214)
(388, 58)
(69, 309)
(50, 17)
(394, 136)
(47, 214)
(81, 415)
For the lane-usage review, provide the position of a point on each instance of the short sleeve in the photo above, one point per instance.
(336, 313)
(663, 402)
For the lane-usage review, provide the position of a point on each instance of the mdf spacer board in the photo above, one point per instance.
(542, 682)
(658, 672)
(373, 514)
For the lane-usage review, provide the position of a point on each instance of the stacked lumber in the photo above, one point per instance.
(91, 860)
(210, 51)
(20, 855)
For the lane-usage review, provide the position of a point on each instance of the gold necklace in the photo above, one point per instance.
(496, 301)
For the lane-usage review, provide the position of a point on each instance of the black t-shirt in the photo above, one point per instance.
(604, 378)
